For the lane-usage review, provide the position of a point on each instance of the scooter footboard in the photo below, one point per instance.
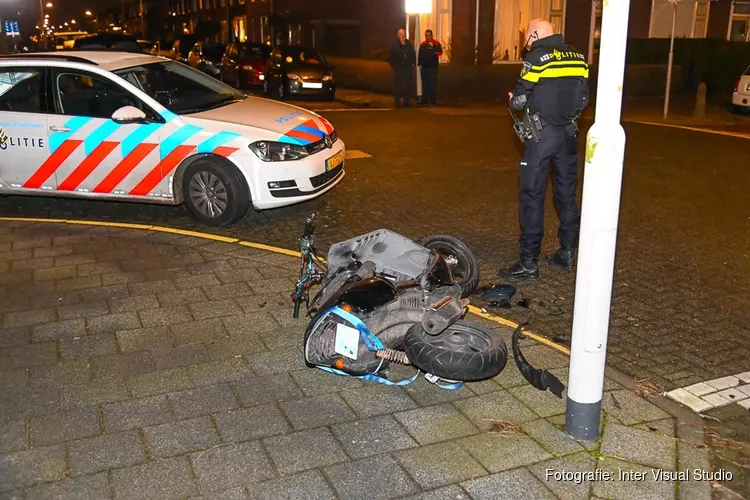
(392, 254)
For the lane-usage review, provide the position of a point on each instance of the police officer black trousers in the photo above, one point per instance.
(558, 147)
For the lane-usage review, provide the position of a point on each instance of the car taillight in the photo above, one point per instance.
(248, 67)
(736, 85)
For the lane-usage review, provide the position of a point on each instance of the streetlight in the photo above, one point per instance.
(417, 7)
(95, 18)
(44, 17)
(671, 57)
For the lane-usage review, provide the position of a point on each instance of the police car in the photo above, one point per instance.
(121, 126)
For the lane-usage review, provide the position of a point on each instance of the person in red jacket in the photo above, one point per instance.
(429, 60)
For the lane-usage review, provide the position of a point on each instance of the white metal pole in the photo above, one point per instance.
(605, 151)
(592, 28)
(671, 57)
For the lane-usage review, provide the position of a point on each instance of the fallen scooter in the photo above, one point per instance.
(388, 299)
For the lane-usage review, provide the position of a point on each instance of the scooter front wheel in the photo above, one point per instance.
(465, 351)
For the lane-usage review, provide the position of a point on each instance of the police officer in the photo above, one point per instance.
(554, 85)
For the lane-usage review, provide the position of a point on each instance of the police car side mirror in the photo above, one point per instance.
(128, 114)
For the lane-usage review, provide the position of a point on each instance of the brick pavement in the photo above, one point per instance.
(139, 364)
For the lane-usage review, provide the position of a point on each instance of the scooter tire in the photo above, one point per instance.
(443, 243)
(465, 351)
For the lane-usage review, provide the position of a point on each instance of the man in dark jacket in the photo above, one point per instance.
(429, 61)
(402, 60)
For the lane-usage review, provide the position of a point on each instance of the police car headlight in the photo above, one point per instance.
(328, 78)
(277, 151)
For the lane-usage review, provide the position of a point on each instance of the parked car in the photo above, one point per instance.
(297, 70)
(244, 64)
(133, 127)
(207, 57)
(109, 41)
(162, 48)
(741, 93)
(181, 48)
(146, 45)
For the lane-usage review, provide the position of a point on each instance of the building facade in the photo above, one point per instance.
(229, 16)
(471, 31)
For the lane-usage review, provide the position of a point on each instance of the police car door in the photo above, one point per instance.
(23, 126)
(98, 156)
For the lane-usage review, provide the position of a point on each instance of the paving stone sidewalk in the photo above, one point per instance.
(139, 364)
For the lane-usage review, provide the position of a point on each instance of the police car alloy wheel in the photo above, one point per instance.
(215, 193)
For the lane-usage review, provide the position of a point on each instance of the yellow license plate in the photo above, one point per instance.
(334, 161)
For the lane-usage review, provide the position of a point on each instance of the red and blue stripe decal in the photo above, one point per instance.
(304, 134)
(134, 150)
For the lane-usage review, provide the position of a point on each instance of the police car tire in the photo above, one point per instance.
(439, 242)
(465, 351)
(238, 193)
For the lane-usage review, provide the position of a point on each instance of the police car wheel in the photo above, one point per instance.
(215, 193)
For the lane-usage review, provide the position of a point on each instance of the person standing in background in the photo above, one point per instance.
(402, 60)
(429, 61)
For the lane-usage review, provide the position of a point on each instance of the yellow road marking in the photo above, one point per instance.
(269, 248)
(506, 322)
(260, 246)
(108, 224)
(196, 234)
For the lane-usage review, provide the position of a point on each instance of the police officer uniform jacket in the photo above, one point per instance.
(553, 82)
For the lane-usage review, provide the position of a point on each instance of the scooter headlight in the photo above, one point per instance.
(278, 151)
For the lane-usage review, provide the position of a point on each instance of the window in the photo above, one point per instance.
(179, 88)
(82, 94)
(301, 55)
(22, 90)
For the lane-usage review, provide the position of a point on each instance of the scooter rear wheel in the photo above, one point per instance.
(465, 351)
(465, 268)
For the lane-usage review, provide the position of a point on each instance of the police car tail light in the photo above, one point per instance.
(277, 151)
(736, 85)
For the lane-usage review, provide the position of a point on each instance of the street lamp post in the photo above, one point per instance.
(671, 58)
(417, 7)
(602, 184)
(95, 19)
(42, 18)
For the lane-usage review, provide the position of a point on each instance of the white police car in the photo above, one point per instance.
(120, 126)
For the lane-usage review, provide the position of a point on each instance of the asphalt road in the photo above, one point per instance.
(681, 300)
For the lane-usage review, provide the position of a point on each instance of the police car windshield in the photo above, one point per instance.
(180, 88)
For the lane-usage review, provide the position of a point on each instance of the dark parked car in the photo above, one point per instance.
(206, 57)
(244, 64)
(299, 70)
(109, 41)
(182, 47)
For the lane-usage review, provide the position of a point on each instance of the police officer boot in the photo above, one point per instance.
(526, 269)
(564, 259)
